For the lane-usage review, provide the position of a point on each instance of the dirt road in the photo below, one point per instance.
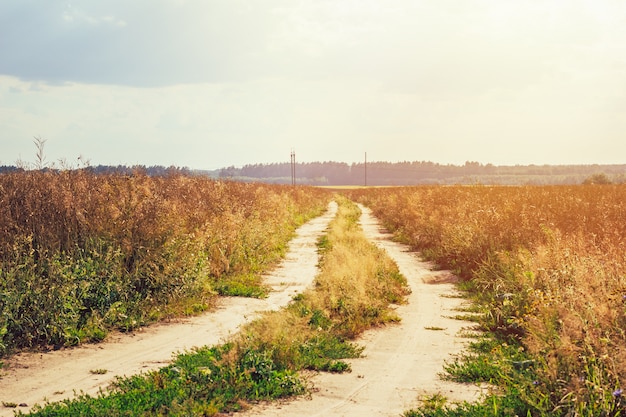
(34, 378)
(401, 362)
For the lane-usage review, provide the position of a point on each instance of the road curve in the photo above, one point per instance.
(34, 378)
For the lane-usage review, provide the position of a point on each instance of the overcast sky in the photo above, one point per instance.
(212, 83)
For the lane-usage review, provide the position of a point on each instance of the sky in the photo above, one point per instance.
(206, 84)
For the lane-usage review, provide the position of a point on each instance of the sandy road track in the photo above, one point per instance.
(402, 362)
(32, 378)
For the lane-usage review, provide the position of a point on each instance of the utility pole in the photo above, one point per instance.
(293, 167)
(365, 169)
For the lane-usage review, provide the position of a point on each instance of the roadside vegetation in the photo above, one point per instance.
(356, 284)
(84, 253)
(546, 267)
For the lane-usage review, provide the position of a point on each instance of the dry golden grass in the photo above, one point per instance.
(356, 277)
(353, 291)
(81, 252)
(548, 264)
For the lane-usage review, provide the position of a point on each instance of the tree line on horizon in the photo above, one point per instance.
(385, 173)
(424, 172)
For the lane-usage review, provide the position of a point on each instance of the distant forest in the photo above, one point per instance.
(154, 170)
(389, 173)
(423, 172)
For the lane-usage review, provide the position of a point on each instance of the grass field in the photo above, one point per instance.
(82, 253)
(546, 267)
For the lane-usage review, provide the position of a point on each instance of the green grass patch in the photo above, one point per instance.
(241, 285)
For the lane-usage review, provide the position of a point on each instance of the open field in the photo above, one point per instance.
(546, 267)
(353, 292)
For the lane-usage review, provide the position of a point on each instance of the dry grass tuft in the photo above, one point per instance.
(353, 291)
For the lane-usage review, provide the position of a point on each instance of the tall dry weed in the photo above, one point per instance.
(119, 250)
(549, 266)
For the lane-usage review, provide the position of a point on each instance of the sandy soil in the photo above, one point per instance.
(402, 362)
(31, 378)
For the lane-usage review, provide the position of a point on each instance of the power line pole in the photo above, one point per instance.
(293, 167)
